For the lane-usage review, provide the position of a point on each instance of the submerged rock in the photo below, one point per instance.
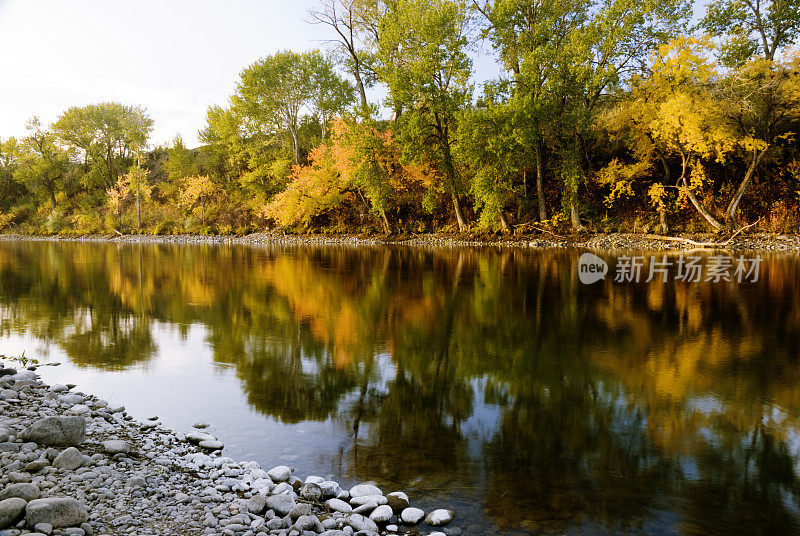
(412, 516)
(398, 501)
(439, 518)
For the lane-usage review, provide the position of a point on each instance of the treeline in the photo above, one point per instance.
(608, 114)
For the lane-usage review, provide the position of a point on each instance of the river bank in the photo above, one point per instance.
(74, 465)
(598, 241)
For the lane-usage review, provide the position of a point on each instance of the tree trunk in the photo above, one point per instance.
(462, 222)
(693, 198)
(507, 229)
(663, 228)
(295, 146)
(362, 93)
(138, 212)
(575, 216)
(733, 206)
(662, 210)
(540, 183)
(385, 221)
(52, 198)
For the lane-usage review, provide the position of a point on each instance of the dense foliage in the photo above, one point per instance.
(608, 115)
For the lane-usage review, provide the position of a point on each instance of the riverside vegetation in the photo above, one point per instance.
(611, 115)
(74, 466)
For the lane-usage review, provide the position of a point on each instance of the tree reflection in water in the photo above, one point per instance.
(490, 378)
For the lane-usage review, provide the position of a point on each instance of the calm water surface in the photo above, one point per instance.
(489, 382)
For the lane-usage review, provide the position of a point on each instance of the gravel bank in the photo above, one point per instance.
(71, 465)
(609, 242)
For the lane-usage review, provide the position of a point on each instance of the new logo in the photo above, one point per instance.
(591, 268)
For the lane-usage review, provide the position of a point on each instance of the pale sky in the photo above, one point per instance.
(175, 57)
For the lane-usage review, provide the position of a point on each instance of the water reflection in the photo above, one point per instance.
(493, 380)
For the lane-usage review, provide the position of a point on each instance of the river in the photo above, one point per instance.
(490, 382)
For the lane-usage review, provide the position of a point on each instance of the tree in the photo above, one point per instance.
(367, 158)
(330, 94)
(614, 43)
(686, 109)
(276, 91)
(346, 19)
(529, 38)
(313, 189)
(131, 189)
(750, 27)
(422, 58)
(107, 135)
(43, 163)
(760, 104)
(181, 162)
(488, 146)
(198, 190)
(11, 154)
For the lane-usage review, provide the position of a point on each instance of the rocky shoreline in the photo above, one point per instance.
(71, 465)
(596, 241)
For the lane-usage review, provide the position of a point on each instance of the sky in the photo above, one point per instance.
(174, 57)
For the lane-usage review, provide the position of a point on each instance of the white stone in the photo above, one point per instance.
(365, 489)
(381, 514)
(281, 473)
(412, 516)
(377, 500)
(339, 506)
(439, 518)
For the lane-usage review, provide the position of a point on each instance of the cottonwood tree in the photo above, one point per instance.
(752, 27)
(107, 135)
(347, 20)
(422, 58)
(488, 146)
(529, 37)
(275, 92)
(43, 163)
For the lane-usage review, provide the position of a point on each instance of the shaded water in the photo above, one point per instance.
(490, 382)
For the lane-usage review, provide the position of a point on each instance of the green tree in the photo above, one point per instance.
(422, 58)
(11, 152)
(330, 93)
(347, 20)
(43, 164)
(529, 38)
(752, 27)
(107, 135)
(488, 146)
(275, 92)
(181, 162)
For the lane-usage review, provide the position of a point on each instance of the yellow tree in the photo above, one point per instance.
(673, 112)
(196, 192)
(313, 189)
(131, 188)
(685, 108)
